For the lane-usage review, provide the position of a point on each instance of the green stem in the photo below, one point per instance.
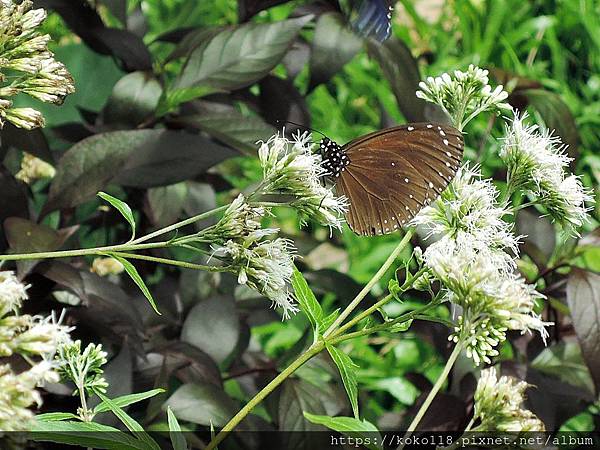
(363, 293)
(367, 312)
(177, 225)
(82, 252)
(172, 262)
(434, 390)
(416, 314)
(316, 348)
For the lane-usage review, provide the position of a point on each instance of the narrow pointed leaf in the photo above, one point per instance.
(307, 300)
(122, 207)
(349, 426)
(127, 400)
(129, 422)
(177, 439)
(85, 434)
(137, 279)
(347, 370)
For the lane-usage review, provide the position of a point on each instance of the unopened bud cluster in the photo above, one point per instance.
(33, 168)
(463, 95)
(26, 64)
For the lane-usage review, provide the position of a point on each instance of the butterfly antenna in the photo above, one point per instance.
(302, 126)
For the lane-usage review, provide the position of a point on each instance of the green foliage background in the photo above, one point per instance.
(215, 343)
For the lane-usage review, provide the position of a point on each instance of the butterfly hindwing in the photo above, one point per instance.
(395, 172)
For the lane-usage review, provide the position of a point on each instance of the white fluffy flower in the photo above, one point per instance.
(239, 220)
(498, 405)
(463, 95)
(468, 214)
(264, 265)
(492, 300)
(12, 293)
(537, 163)
(292, 168)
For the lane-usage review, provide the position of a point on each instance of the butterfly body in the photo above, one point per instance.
(388, 176)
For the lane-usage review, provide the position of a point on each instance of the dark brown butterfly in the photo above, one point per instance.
(389, 175)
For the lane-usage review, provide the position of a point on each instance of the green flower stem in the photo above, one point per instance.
(177, 225)
(416, 314)
(434, 390)
(315, 349)
(172, 262)
(83, 251)
(367, 312)
(363, 293)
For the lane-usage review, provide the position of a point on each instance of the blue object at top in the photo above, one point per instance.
(374, 19)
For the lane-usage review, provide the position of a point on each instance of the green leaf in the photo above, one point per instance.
(238, 56)
(400, 327)
(129, 422)
(217, 336)
(134, 98)
(347, 370)
(307, 300)
(122, 207)
(177, 439)
(173, 98)
(565, 362)
(85, 434)
(229, 126)
(126, 400)
(137, 158)
(349, 426)
(137, 279)
(55, 416)
(327, 321)
(333, 45)
(202, 404)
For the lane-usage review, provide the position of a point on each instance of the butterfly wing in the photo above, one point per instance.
(395, 172)
(374, 19)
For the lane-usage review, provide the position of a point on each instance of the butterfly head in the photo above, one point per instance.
(334, 157)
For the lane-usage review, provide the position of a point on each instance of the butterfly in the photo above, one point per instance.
(388, 176)
(374, 19)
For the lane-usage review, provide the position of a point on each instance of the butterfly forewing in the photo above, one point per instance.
(395, 172)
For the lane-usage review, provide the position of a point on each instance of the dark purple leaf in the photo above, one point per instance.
(583, 297)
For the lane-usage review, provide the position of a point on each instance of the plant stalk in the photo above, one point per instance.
(82, 252)
(363, 293)
(434, 390)
(313, 350)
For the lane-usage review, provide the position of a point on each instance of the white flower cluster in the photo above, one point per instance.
(35, 338)
(463, 95)
(471, 260)
(240, 220)
(498, 405)
(264, 265)
(468, 214)
(83, 368)
(24, 50)
(291, 168)
(537, 163)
